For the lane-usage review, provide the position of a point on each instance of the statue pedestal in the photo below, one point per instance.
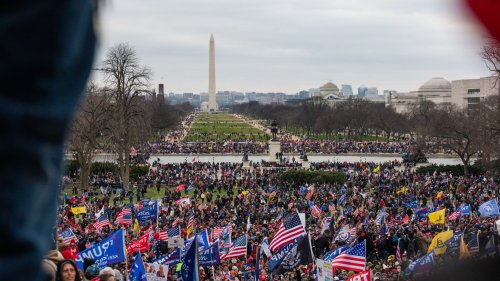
(274, 147)
(246, 164)
(306, 165)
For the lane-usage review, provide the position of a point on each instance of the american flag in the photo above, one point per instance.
(177, 221)
(218, 230)
(290, 228)
(353, 258)
(171, 232)
(238, 249)
(101, 222)
(67, 236)
(398, 252)
(191, 225)
(125, 216)
(453, 216)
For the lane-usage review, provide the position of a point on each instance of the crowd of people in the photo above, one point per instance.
(384, 204)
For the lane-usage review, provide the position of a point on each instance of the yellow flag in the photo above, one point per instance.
(401, 191)
(189, 230)
(464, 251)
(79, 210)
(136, 226)
(437, 217)
(245, 192)
(437, 243)
(440, 195)
(376, 170)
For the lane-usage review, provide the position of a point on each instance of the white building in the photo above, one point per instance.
(463, 93)
(469, 92)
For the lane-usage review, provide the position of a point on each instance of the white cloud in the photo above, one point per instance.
(290, 45)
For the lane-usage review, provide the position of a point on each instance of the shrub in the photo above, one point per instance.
(137, 171)
(454, 169)
(302, 176)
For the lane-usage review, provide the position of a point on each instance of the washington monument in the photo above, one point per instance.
(212, 102)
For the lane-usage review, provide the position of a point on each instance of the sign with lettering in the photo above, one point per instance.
(109, 251)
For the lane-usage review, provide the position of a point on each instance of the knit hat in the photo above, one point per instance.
(92, 272)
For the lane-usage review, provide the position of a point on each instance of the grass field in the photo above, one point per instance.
(222, 127)
(153, 194)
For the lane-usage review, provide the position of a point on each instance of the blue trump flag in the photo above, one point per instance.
(170, 259)
(203, 239)
(256, 275)
(109, 251)
(137, 272)
(190, 265)
(334, 253)
(453, 244)
(489, 208)
(209, 256)
(421, 265)
(148, 212)
(465, 210)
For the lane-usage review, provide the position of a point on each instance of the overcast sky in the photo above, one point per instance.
(292, 45)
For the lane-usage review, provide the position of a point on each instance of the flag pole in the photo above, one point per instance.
(126, 254)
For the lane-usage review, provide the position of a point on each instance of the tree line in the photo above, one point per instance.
(120, 114)
(466, 132)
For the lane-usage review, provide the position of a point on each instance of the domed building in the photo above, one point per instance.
(437, 90)
(328, 93)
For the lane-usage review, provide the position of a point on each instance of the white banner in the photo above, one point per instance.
(175, 242)
(302, 217)
(156, 272)
(324, 272)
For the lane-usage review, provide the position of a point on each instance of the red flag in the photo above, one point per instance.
(405, 219)
(486, 12)
(141, 244)
(180, 187)
(362, 276)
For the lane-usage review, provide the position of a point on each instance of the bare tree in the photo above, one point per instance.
(459, 131)
(128, 82)
(87, 129)
(491, 55)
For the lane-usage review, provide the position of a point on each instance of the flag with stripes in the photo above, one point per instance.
(125, 216)
(191, 225)
(353, 258)
(453, 216)
(177, 221)
(290, 228)
(238, 248)
(101, 222)
(171, 232)
(67, 236)
(218, 230)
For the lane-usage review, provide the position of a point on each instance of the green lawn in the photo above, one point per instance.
(222, 127)
(152, 194)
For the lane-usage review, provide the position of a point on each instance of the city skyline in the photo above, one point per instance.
(289, 46)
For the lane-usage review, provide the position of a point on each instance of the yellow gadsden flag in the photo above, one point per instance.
(437, 243)
(376, 170)
(437, 217)
(79, 210)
